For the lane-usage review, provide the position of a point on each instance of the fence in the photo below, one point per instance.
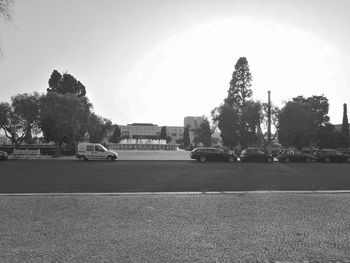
(145, 147)
(26, 153)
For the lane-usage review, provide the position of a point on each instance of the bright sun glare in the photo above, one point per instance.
(188, 74)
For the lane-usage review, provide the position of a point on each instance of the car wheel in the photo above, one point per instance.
(327, 160)
(269, 160)
(202, 159)
(348, 160)
(82, 158)
(308, 160)
(231, 159)
(109, 158)
(287, 160)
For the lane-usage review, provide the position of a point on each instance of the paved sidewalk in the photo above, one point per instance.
(254, 227)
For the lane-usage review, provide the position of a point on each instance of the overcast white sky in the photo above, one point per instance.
(159, 60)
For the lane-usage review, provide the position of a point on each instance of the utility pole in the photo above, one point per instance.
(269, 122)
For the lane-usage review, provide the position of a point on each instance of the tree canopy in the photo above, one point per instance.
(63, 117)
(5, 9)
(203, 133)
(20, 118)
(116, 135)
(303, 120)
(240, 85)
(65, 83)
(98, 128)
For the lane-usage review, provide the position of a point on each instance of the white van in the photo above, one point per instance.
(94, 151)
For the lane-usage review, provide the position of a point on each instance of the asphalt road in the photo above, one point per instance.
(72, 176)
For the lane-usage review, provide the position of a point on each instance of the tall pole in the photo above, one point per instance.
(269, 122)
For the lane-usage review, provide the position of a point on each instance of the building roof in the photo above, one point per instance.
(143, 124)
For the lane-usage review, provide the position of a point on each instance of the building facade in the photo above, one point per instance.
(149, 130)
(193, 122)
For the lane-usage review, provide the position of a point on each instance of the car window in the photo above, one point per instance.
(99, 149)
(90, 148)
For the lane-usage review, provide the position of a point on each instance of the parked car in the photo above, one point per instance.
(204, 154)
(331, 155)
(287, 155)
(3, 155)
(94, 151)
(255, 155)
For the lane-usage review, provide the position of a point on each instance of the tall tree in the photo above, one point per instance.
(65, 83)
(345, 126)
(20, 118)
(116, 135)
(98, 128)
(240, 84)
(186, 137)
(203, 133)
(239, 117)
(64, 118)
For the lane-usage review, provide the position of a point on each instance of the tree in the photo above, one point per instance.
(227, 119)
(303, 120)
(327, 137)
(5, 11)
(20, 118)
(345, 126)
(203, 133)
(116, 135)
(98, 128)
(249, 124)
(65, 83)
(319, 108)
(64, 118)
(163, 135)
(239, 117)
(240, 84)
(186, 137)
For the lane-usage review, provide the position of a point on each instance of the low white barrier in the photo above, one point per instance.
(26, 153)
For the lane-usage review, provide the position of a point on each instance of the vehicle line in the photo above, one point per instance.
(182, 193)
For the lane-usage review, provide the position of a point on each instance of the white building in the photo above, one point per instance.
(149, 130)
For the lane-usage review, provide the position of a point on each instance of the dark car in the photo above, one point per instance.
(3, 155)
(288, 155)
(203, 154)
(331, 155)
(255, 155)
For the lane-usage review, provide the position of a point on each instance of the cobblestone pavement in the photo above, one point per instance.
(254, 227)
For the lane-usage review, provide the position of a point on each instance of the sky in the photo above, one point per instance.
(157, 61)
